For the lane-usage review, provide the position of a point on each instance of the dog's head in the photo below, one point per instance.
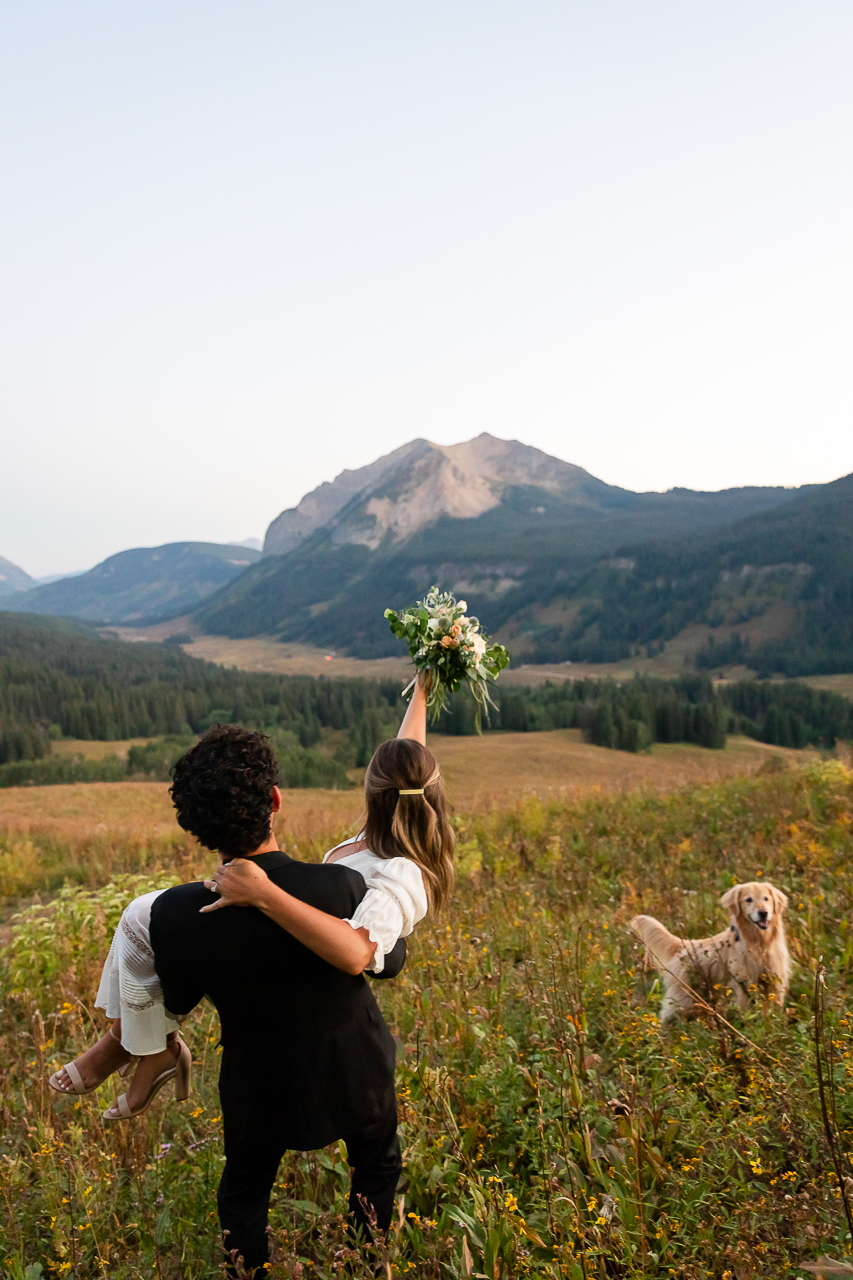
(758, 903)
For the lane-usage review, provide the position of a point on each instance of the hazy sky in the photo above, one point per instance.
(247, 245)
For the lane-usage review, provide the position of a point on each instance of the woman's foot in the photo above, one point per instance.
(150, 1069)
(93, 1067)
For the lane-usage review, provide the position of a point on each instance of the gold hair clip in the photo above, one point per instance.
(420, 790)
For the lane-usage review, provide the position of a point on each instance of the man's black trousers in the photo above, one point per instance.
(250, 1173)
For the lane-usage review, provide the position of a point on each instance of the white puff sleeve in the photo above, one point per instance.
(395, 902)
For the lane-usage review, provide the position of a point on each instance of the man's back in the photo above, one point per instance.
(306, 1041)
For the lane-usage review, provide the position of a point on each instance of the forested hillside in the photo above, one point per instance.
(514, 556)
(139, 586)
(562, 566)
(60, 679)
(796, 560)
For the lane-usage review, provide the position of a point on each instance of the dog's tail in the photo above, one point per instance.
(661, 946)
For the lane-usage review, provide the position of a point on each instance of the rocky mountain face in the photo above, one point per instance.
(13, 579)
(409, 489)
(496, 520)
(140, 586)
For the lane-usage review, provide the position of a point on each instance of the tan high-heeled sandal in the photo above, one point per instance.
(78, 1087)
(181, 1072)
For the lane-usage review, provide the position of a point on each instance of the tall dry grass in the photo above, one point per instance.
(89, 833)
(86, 833)
(549, 1128)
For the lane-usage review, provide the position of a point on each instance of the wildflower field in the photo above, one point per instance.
(550, 1129)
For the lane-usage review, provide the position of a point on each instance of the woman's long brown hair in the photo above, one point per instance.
(413, 827)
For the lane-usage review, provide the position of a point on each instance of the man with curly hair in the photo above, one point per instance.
(307, 1057)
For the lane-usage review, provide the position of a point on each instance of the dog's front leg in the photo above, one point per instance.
(677, 997)
(670, 1010)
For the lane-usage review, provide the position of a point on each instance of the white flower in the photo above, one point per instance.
(463, 605)
(478, 644)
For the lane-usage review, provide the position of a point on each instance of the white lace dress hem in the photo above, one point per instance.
(130, 988)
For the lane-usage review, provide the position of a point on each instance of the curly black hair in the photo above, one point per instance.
(222, 788)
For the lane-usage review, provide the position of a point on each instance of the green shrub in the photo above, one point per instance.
(304, 767)
(155, 759)
(53, 944)
(58, 769)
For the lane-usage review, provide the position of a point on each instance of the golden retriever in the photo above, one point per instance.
(752, 951)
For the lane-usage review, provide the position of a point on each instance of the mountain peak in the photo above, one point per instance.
(322, 504)
(511, 462)
(13, 579)
(404, 491)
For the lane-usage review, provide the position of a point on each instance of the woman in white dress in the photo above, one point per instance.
(405, 855)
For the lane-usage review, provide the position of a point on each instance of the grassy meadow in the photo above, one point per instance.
(550, 1129)
(83, 831)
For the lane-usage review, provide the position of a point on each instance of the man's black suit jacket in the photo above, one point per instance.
(306, 1054)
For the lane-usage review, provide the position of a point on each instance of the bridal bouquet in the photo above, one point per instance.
(447, 645)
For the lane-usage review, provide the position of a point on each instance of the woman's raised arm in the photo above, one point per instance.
(415, 720)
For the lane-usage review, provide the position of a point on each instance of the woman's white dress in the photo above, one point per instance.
(395, 901)
(130, 989)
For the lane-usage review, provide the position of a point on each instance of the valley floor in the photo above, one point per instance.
(264, 653)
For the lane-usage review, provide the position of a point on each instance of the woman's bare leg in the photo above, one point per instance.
(149, 1068)
(99, 1062)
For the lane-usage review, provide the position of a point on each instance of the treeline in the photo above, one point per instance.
(151, 762)
(60, 679)
(790, 714)
(632, 716)
(49, 770)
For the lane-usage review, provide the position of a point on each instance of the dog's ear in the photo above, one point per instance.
(729, 900)
(780, 899)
